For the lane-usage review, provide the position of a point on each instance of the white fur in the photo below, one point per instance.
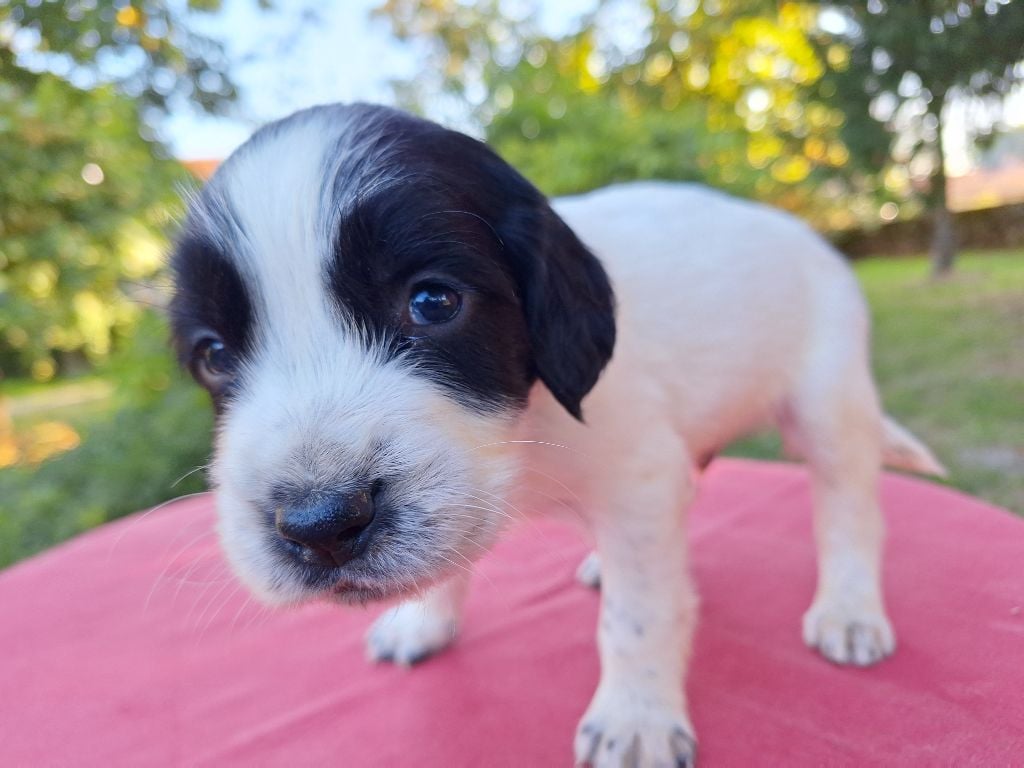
(417, 628)
(732, 316)
(318, 407)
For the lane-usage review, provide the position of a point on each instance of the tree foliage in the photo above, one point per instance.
(726, 92)
(151, 445)
(86, 187)
(831, 109)
(907, 62)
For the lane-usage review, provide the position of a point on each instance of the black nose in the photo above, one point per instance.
(326, 529)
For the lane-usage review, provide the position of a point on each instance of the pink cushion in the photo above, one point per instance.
(133, 646)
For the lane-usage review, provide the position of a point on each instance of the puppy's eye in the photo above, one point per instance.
(214, 363)
(433, 303)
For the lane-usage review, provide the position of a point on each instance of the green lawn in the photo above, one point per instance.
(79, 402)
(949, 359)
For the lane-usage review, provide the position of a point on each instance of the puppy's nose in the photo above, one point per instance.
(326, 529)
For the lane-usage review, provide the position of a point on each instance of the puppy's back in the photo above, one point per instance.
(721, 300)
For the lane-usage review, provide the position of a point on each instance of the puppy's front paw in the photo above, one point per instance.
(409, 633)
(848, 635)
(614, 734)
(589, 571)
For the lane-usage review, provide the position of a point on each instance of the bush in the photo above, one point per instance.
(157, 432)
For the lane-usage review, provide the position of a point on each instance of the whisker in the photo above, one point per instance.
(262, 614)
(146, 514)
(472, 567)
(192, 567)
(490, 504)
(563, 504)
(170, 562)
(543, 443)
(528, 519)
(532, 519)
(227, 599)
(453, 563)
(191, 472)
(199, 598)
(506, 502)
(241, 609)
(493, 511)
(557, 482)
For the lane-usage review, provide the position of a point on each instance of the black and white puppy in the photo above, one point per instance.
(406, 344)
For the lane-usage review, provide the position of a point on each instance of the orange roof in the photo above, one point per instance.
(987, 187)
(201, 169)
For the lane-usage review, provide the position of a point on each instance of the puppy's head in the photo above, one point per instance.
(368, 298)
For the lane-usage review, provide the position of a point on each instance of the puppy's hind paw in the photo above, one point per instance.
(589, 571)
(635, 739)
(844, 635)
(408, 634)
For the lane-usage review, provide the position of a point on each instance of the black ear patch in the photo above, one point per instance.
(564, 291)
(566, 297)
(462, 187)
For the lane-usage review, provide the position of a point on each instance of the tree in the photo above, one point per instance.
(906, 63)
(86, 187)
(724, 92)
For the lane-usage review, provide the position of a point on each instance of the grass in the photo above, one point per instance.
(949, 360)
(135, 455)
(140, 440)
(78, 402)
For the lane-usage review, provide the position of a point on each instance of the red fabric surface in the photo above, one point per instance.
(132, 646)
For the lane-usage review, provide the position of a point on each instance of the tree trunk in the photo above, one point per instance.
(944, 242)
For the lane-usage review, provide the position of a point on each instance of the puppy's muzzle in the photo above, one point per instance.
(328, 529)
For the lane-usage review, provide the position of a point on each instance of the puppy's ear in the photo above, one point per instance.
(563, 289)
(566, 297)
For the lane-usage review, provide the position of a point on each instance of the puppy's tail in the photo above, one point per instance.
(901, 450)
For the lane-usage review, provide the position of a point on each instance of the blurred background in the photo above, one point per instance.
(895, 128)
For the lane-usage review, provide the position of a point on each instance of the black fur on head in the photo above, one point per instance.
(402, 198)
(369, 299)
(563, 292)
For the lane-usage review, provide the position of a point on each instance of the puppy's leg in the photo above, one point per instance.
(648, 609)
(839, 431)
(589, 571)
(417, 629)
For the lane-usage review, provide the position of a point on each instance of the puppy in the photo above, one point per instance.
(406, 344)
